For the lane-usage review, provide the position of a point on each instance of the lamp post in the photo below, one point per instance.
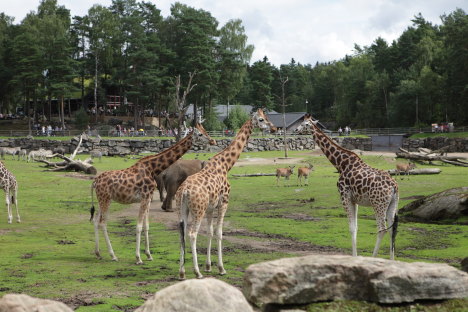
(306, 103)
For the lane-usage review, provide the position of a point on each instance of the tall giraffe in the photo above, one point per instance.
(360, 184)
(207, 190)
(10, 186)
(136, 184)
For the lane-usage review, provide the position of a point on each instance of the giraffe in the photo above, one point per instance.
(136, 184)
(10, 186)
(360, 184)
(207, 190)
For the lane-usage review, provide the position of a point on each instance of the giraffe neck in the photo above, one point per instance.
(228, 157)
(157, 163)
(341, 158)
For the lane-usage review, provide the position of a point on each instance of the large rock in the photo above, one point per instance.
(25, 303)
(315, 278)
(449, 204)
(197, 295)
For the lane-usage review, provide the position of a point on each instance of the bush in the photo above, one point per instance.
(237, 117)
(81, 119)
(212, 122)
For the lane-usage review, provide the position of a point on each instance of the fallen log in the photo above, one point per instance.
(254, 175)
(417, 171)
(425, 154)
(69, 163)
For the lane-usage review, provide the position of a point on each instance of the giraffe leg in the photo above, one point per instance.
(352, 211)
(392, 219)
(141, 219)
(193, 232)
(209, 219)
(100, 221)
(147, 248)
(7, 200)
(219, 235)
(380, 216)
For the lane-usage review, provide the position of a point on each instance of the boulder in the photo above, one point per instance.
(25, 303)
(313, 278)
(449, 204)
(197, 295)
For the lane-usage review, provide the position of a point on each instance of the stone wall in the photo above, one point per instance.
(129, 146)
(450, 145)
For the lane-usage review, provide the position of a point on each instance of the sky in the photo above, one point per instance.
(309, 31)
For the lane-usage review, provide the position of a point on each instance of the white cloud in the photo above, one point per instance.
(306, 30)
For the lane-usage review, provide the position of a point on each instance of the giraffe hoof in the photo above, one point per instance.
(208, 268)
(115, 259)
(139, 262)
(182, 276)
(222, 272)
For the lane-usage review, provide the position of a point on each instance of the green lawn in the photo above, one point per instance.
(51, 253)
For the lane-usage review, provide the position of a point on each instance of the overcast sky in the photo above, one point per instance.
(306, 30)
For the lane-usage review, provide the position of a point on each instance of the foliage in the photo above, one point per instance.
(212, 122)
(129, 49)
(81, 119)
(237, 117)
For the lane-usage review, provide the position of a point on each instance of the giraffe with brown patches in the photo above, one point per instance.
(208, 190)
(360, 184)
(10, 186)
(137, 184)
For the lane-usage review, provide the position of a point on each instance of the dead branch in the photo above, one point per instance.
(425, 154)
(417, 171)
(254, 175)
(69, 163)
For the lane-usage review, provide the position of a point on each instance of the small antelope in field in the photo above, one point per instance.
(304, 172)
(283, 172)
(405, 168)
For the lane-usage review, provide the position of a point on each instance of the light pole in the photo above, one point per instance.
(306, 103)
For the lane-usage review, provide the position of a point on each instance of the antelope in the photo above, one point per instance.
(405, 168)
(303, 172)
(283, 172)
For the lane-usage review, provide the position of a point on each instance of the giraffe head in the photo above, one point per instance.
(307, 123)
(260, 120)
(201, 135)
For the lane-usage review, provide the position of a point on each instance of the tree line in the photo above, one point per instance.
(128, 49)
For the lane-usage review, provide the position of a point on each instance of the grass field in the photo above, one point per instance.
(51, 253)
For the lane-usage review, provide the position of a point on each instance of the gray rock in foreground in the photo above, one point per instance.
(314, 278)
(25, 303)
(197, 296)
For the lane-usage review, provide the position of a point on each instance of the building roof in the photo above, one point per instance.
(290, 118)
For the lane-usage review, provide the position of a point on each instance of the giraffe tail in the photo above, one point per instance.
(92, 209)
(183, 221)
(394, 230)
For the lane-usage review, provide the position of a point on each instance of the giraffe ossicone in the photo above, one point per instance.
(136, 184)
(360, 184)
(208, 190)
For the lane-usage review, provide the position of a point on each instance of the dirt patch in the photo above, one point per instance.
(81, 300)
(275, 243)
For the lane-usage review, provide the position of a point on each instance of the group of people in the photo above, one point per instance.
(346, 131)
(48, 130)
(123, 131)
